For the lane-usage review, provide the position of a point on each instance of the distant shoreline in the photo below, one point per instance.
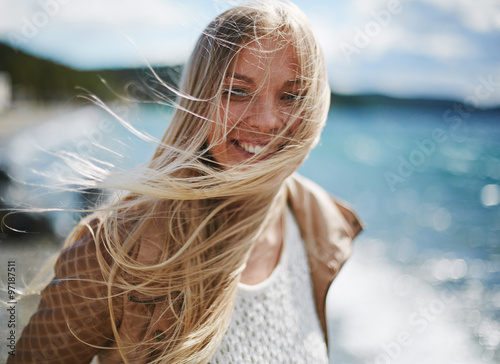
(47, 81)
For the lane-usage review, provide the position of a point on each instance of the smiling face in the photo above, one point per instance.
(259, 92)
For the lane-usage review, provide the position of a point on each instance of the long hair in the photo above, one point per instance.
(200, 217)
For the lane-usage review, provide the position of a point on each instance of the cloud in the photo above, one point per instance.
(159, 14)
(90, 34)
(419, 48)
(393, 46)
(409, 27)
(479, 15)
(441, 46)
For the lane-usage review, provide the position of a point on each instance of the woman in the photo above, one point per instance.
(218, 252)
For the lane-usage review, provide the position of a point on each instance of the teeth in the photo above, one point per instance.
(250, 148)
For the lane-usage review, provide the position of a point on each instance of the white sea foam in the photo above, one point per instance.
(381, 313)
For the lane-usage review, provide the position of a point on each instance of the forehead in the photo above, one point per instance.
(267, 56)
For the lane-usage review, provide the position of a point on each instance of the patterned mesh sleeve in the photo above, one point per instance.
(72, 320)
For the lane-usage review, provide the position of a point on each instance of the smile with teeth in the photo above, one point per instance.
(251, 148)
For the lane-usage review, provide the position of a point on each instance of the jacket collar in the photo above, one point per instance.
(327, 227)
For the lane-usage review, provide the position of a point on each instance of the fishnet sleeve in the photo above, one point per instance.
(72, 320)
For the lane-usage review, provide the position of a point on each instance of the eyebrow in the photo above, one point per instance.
(251, 81)
(241, 77)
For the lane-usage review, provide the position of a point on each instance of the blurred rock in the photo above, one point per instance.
(15, 223)
(5, 92)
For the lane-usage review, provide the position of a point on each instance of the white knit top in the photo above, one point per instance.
(275, 321)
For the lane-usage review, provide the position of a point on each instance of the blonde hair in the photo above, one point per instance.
(202, 218)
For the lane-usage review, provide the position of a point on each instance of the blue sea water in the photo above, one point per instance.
(414, 173)
(424, 179)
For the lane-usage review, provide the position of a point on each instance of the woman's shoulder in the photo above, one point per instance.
(82, 254)
(310, 201)
(97, 240)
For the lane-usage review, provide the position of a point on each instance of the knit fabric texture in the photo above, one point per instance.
(275, 321)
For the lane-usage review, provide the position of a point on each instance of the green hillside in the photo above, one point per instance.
(43, 80)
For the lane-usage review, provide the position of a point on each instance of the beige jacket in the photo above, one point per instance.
(72, 322)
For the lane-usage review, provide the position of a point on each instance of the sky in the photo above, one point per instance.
(447, 49)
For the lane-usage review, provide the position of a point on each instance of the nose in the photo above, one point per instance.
(265, 115)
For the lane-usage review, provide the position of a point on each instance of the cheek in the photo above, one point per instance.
(218, 129)
(217, 137)
(294, 128)
(217, 148)
(228, 118)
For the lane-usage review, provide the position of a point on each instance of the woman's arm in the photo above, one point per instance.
(73, 319)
